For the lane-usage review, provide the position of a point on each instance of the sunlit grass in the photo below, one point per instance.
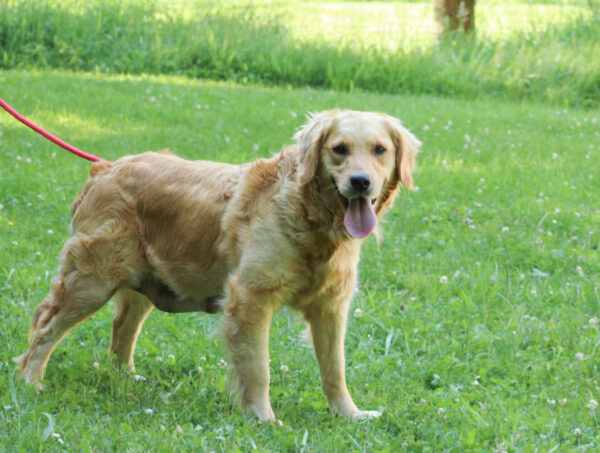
(539, 51)
(399, 25)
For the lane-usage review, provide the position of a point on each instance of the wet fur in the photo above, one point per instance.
(156, 230)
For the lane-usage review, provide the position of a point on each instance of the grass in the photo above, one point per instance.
(537, 51)
(479, 327)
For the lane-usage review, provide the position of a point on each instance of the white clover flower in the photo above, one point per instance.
(222, 363)
(593, 404)
(577, 432)
(58, 439)
(96, 365)
(579, 356)
(139, 377)
(358, 313)
(551, 402)
(505, 229)
(579, 270)
(200, 369)
(284, 368)
(441, 410)
(443, 279)
(158, 359)
(562, 401)
(149, 411)
(593, 321)
(423, 401)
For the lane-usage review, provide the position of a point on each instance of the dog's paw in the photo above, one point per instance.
(19, 359)
(365, 415)
(253, 418)
(264, 414)
(266, 417)
(34, 382)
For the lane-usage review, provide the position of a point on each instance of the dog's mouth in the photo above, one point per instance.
(360, 218)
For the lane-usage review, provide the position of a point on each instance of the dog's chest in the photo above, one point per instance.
(328, 281)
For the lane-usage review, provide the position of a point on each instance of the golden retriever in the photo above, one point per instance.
(156, 230)
(450, 13)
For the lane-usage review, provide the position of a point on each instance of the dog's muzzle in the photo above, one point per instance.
(359, 218)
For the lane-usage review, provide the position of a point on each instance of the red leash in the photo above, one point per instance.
(48, 135)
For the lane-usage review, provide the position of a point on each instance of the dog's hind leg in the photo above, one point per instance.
(72, 299)
(91, 269)
(131, 310)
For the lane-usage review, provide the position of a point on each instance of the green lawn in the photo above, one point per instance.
(479, 327)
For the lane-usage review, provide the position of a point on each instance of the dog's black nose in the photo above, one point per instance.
(360, 182)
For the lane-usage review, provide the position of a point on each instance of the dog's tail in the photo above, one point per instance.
(98, 168)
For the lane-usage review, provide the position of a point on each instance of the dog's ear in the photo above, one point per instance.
(407, 147)
(309, 139)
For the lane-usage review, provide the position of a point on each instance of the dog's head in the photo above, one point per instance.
(362, 156)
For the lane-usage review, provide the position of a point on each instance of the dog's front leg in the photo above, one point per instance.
(247, 321)
(328, 330)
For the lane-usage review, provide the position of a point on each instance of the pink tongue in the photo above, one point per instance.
(360, 217)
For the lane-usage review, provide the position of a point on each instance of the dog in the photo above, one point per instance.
(154, 230)
(449, 14)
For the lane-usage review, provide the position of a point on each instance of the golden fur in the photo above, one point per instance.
(156, 230)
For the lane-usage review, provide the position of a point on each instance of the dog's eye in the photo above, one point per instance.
(379, 150)
(340, 150)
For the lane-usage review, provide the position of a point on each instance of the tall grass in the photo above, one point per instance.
(324, 45)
